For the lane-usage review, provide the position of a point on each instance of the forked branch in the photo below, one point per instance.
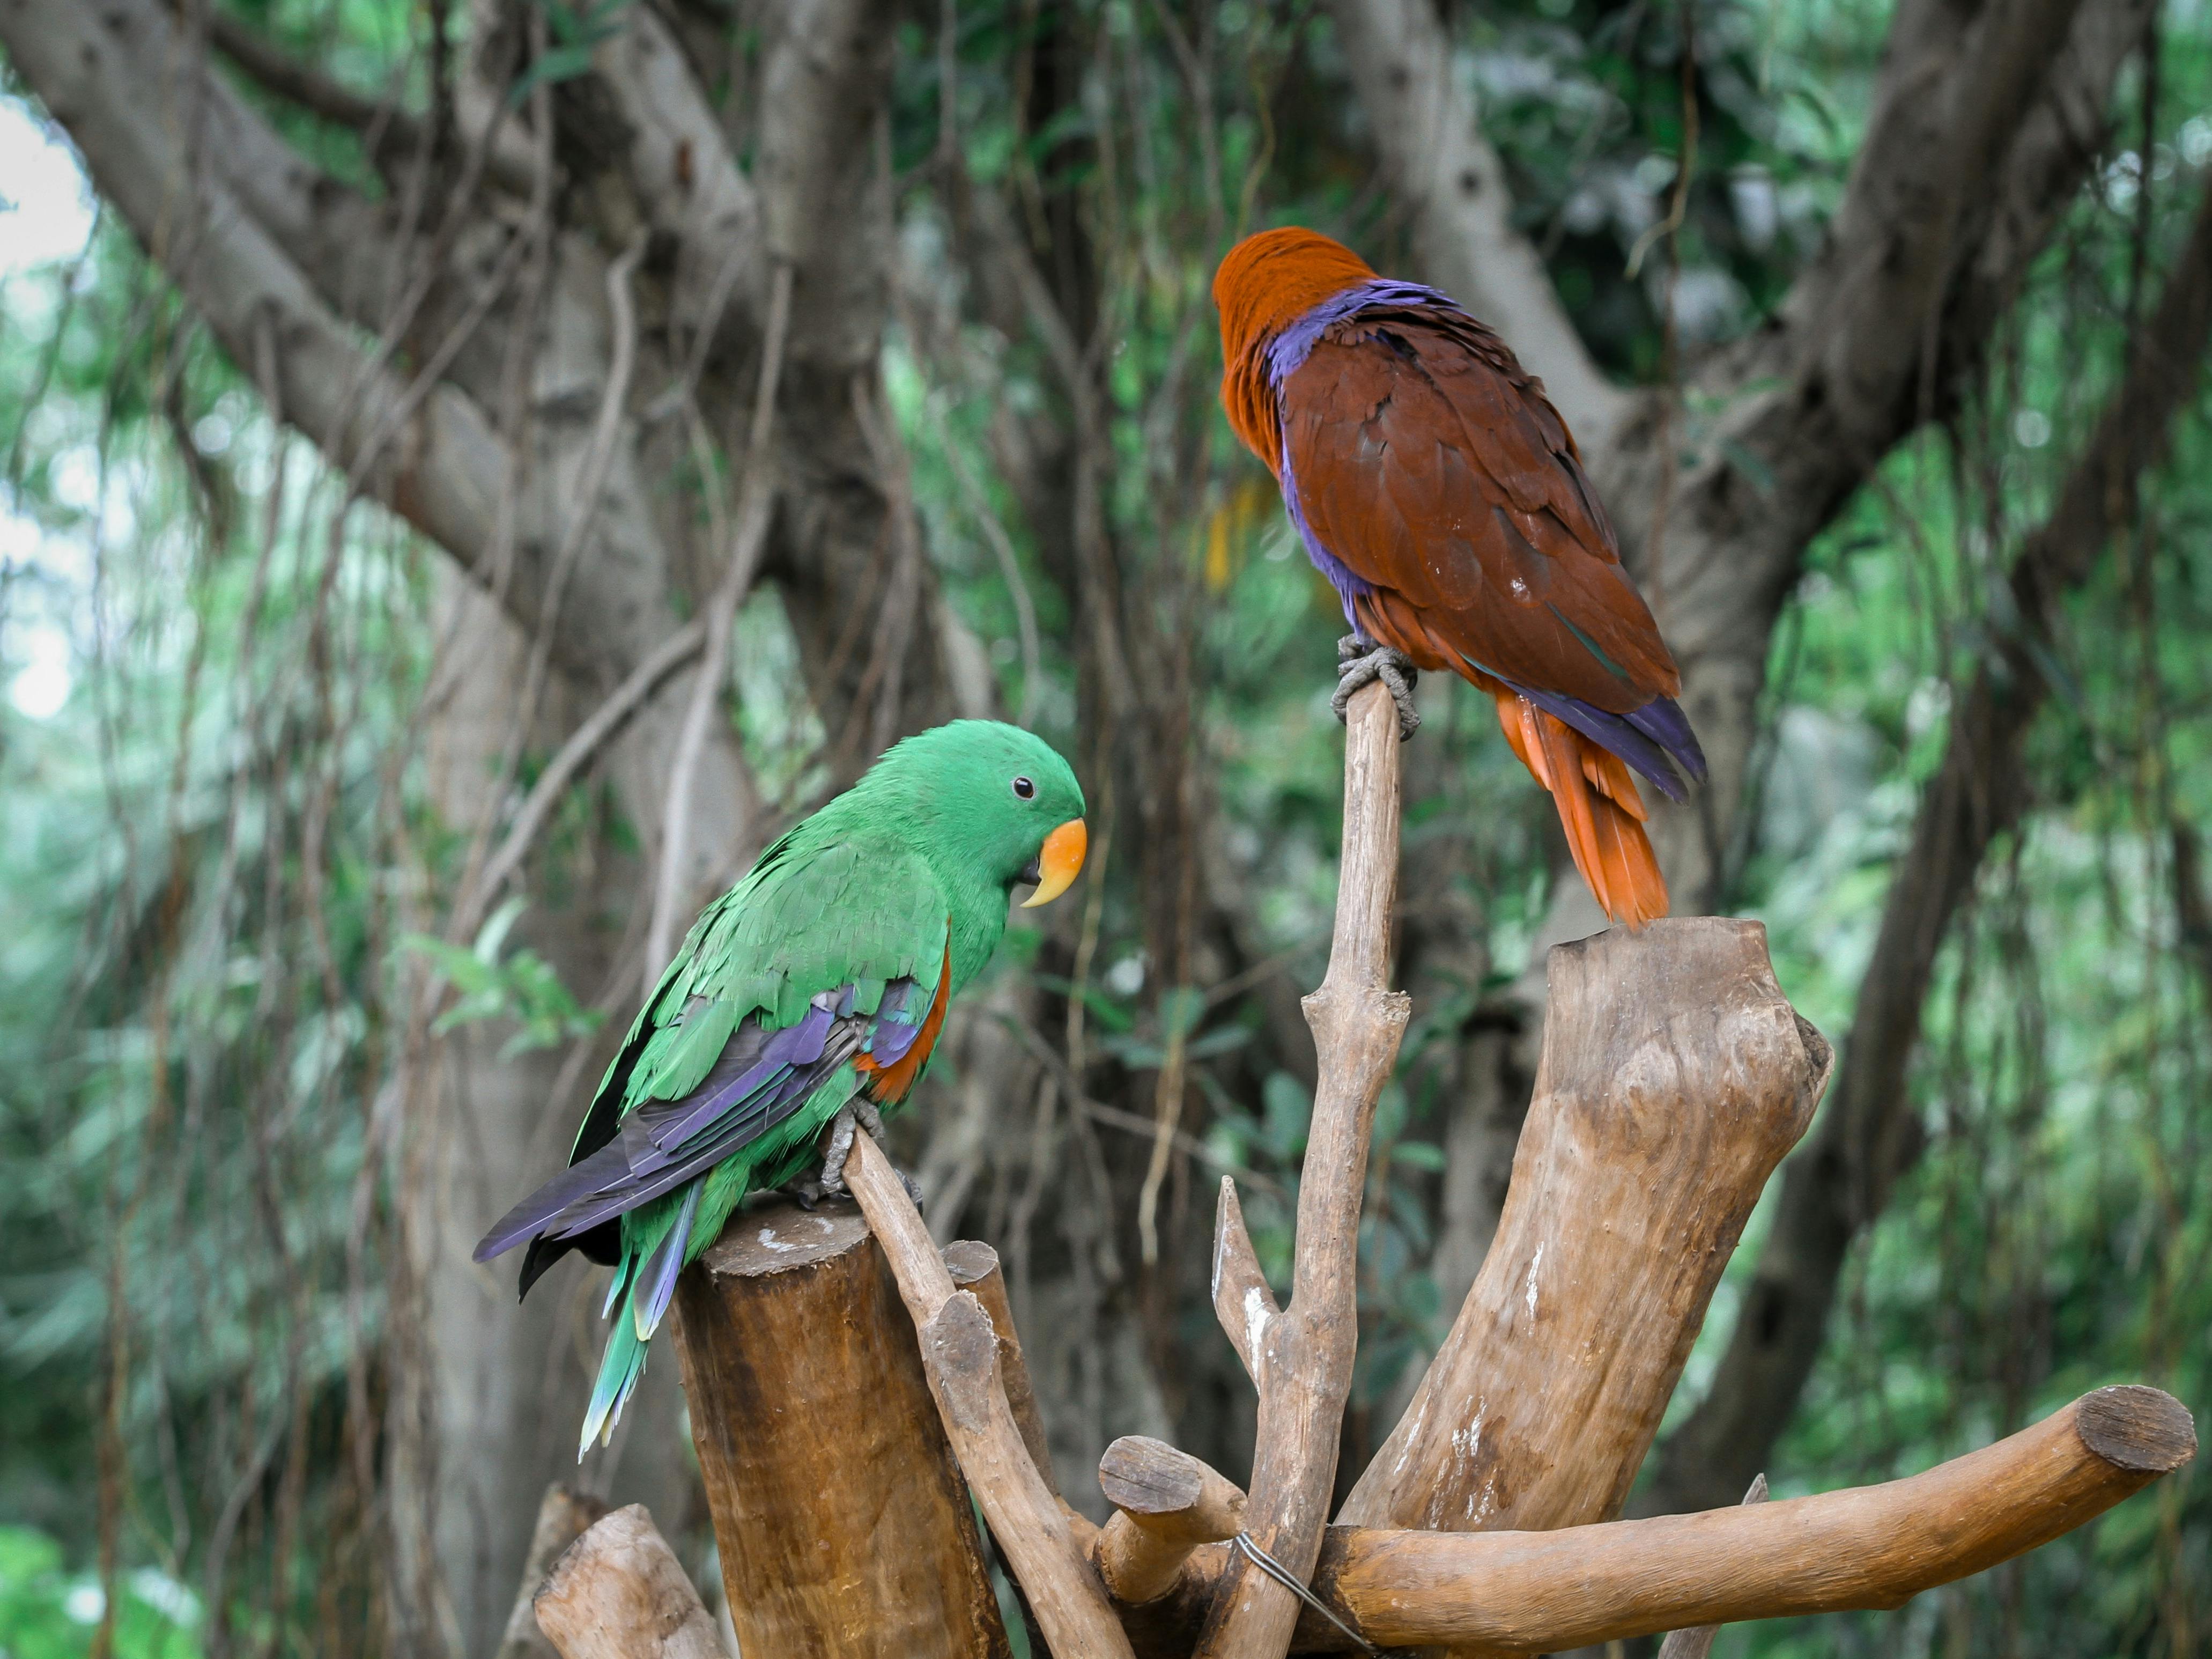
(1675, 1077)
(1300, 1357)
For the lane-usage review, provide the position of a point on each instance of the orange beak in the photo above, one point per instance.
(1058, 864)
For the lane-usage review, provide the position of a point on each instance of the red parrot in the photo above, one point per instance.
(1438, 490)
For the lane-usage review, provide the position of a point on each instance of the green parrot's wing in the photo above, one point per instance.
(811, 964)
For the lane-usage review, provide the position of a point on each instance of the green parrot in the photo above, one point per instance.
(807, 998)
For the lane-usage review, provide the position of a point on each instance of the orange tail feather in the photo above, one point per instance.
(1599, 808)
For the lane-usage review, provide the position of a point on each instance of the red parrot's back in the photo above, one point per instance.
(1441, 493)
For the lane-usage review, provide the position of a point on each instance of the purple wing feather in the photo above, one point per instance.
(760, 1079)
(658, 1276)
(1651, 738)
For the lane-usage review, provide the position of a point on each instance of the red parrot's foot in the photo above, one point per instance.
(1360, 662)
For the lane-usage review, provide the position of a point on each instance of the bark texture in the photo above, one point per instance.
(1300, 1357)
(844, 1525)
(1985, 121)
(620, 1593)
(1675, 1076)
(1496, 1593)
(453, 343)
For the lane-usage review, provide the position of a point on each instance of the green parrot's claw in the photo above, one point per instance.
(858, 1114)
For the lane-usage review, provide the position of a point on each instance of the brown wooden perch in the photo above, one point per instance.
(1166, 1503)
(620, 1593)
(960, 1353)
(563, 1516)
(1675, 1076)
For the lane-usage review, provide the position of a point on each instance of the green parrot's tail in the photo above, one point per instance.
(620, 1367)
(638, 1298)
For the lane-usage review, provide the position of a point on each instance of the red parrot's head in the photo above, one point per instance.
(1267, 283)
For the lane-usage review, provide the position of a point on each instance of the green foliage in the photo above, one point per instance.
(523, 987)
(48, 1612)
(577, 32)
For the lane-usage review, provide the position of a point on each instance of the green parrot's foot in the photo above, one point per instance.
(856, 1114)
(1360, 662)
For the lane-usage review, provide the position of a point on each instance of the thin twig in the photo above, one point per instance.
(754, 512)
(583, 507)
(583, 743)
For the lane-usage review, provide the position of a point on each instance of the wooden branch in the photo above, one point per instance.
(1242, 1299)
(1695, 1641)
(974, 1268)
(843, 1523)
(563, 1517)
(620, 1593)
(1675, 1077)
(960, 1354)
(1301, 1358)
(1865, 1548)
(1166, 1502)
(395, 133)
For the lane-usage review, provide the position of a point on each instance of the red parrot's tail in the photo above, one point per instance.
(1599, 808)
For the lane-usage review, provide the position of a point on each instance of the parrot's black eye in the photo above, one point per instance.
(1024, 789)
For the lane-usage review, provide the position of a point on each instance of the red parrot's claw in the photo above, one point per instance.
(1360, 662)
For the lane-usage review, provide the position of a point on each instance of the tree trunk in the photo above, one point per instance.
(503, 1383)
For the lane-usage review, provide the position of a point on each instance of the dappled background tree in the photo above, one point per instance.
(490, 467)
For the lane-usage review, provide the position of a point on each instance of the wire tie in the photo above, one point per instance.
(1291, 1582)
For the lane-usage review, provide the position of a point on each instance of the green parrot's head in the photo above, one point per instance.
(996, 799)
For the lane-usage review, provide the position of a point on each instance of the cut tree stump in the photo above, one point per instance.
(843, 1523)
(1166, 1503)
(562, 1518)
(1675, 1075)
(620, 1593)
